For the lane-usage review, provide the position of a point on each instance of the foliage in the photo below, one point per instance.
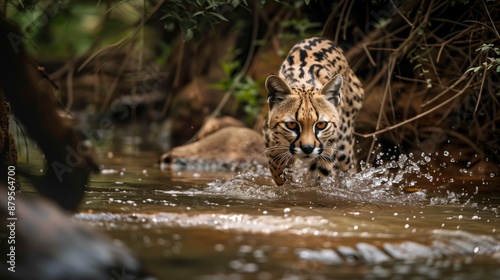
(490, 61)
(193, 16)
(49, 26)
(414, 52)
(419, 58)
(302, 28)
(245, 90)
(415, 64)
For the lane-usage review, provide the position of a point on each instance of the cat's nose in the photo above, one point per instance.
(307, 149)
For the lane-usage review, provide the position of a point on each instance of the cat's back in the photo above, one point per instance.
(312, 62)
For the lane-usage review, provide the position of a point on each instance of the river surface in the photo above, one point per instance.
(394, 221)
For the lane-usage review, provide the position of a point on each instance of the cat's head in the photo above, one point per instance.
(304, 118)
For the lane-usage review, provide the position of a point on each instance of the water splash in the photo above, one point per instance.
(381, 184)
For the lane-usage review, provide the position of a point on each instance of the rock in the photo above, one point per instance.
(220, 150)
(212, 124)
(49, 244)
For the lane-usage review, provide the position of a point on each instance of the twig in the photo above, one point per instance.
(105, 48)
(270, 24)
(492, 122)
(491, 20)
(42, 71)
(346, 21)
(414, 80)
(370, 58)
(178, 67)
(419, 115)
(463, 77)
(245, 67)
(113, 86)
(120, 43)
(387, 90)
(401, 14)
(69, 87)
(342, 13)
(449, 41)
(480, 92)
(485, 26)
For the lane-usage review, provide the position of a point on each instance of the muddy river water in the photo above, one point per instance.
(394, 221)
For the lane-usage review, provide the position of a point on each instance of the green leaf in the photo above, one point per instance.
(188, 34)
(429, 83)
(169, 26)
(235, 3)
(469, 70)
(167, 16)
(219, 16)
(498, 69)
(212, 6)
(484, 47)
(382, 23)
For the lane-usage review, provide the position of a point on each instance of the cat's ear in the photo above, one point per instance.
(277, 90)
(331, 90)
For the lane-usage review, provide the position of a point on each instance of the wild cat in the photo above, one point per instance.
(313, 105)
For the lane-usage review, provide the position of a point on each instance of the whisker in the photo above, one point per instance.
(285, 160)
(280, 158)
(290, 156)
(274, 148)
(333, 149)
(328, 158)
(331, 159)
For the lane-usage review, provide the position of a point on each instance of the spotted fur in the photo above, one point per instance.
(313, 104)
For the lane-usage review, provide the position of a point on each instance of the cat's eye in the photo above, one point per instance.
(292, 125)
(321, 125)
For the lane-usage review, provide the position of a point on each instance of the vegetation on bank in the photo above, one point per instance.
(431, 69)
